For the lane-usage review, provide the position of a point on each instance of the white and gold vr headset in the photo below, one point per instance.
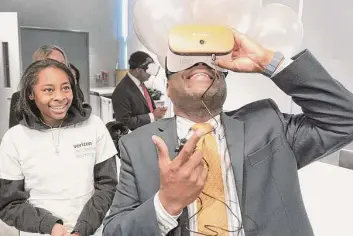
(193, 44)
(152, 69)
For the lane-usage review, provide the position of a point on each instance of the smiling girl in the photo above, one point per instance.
(58, 166)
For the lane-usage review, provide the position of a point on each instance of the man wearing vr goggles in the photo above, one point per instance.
(172, 185)
(132, 104)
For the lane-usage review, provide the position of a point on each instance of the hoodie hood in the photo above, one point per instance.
(74, 116)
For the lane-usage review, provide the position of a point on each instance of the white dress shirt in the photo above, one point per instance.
(167, 222)
(138, 84)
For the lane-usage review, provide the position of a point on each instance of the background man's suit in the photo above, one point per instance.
(266, 148)
(129, 104)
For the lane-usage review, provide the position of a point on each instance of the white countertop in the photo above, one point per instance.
(328, 197)
(103, 90)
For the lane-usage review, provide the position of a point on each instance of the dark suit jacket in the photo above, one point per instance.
(129, 105)
(266, 149)
(12, 120)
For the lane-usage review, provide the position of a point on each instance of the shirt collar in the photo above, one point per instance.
(184, 126)
(134, 79)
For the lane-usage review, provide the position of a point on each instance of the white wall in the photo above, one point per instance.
(97, 17)
(329, 37)
(9, 33)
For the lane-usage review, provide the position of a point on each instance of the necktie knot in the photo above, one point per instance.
(203, 127)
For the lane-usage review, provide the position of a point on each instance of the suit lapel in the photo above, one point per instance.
(234, 133)
(168, 133)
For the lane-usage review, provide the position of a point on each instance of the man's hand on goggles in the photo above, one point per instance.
(247, 56)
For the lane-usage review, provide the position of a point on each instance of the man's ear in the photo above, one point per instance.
(138, 71)
(167, 89)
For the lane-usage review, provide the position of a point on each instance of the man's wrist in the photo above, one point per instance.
(266, 59)
(152, 118)
(166, 222)
(273, 65)
(171, 209)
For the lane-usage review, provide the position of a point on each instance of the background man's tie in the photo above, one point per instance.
(147, 97)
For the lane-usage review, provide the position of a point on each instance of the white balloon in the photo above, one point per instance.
(161, 60)
(278, 28)
(237, 14)
(153, 19)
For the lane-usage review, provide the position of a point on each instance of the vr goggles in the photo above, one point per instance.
(190, 45)
(151, 68)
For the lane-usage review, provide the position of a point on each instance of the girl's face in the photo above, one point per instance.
(52, 95)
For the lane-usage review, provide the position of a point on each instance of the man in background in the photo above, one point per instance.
(132, 104)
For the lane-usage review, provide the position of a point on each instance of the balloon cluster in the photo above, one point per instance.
(275, 26)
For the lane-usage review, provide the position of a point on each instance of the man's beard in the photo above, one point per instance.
(207, 104)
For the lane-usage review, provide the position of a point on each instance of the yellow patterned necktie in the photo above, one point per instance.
(212, 212)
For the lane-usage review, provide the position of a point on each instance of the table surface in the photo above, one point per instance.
(328, 197)
(102, 90)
